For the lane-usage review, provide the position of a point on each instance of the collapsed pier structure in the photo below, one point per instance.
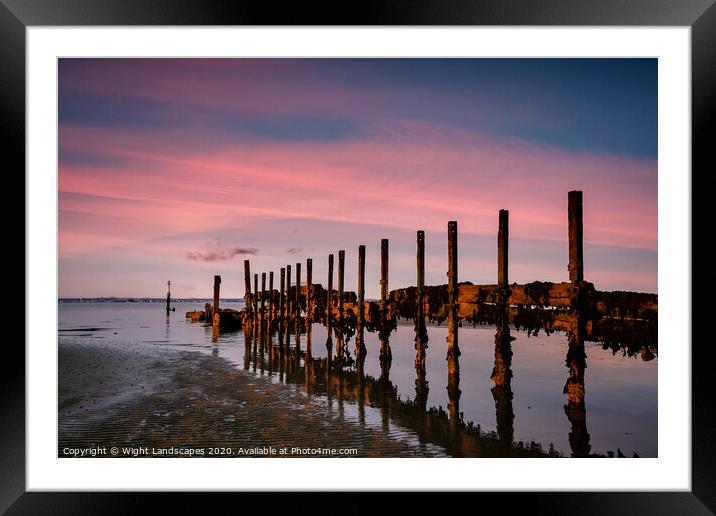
(617, 320)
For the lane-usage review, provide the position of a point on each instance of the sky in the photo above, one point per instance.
(179, 169)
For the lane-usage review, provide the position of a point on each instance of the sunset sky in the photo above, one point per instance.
(179, 169)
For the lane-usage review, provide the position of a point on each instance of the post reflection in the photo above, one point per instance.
(574, 389)
(502, 377)
(453, 353)
(349, 383)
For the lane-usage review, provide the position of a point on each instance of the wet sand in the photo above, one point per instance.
(138, 395)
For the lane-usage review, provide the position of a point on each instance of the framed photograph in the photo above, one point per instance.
(435, 249)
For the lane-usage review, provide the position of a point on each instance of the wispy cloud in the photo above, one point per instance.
(221, 256)
(294, 250)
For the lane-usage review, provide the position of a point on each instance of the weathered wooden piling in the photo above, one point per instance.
(263, 299)
(309, 287)
(341, 281)
(287, 316)
(421, 269)
(453, 351)
(215, 305)
(298, 291)
(502, 249)
(298, 314)
(383, 272)
(385, 353)
(421, 335)
(452, 263)
(281, 299)
(360, 345)
(215, 315)
(576, 249)
(169, 296)
(247, 285)
(361, 283)
(329, 305)
(256, 300)
(270, 301)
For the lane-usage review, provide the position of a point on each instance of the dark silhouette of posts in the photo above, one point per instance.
(215, 306)
(341, 284)
(169, 296)
(341, 281)
(576, 250)
(255, 296)
(309, 294)
(263, 299)
(421, 269)
(298, 315)
(288, 293)
(453, 351)
(298, 290)
(385, 353)
(421, 334)
(383, 273)
(360, 345)
(287, 317)
(215, 316)
(502, 249)
(452, 263)
(270, 301)
(281, 299)
(329, 306)
(247, 285)
(309, 315)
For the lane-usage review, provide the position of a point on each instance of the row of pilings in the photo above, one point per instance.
(294, 308)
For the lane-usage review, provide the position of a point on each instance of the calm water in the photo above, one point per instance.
(621, 391)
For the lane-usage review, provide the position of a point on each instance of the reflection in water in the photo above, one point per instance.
(625, 391)
(431, 426)
(502, 376)
(453, 361)
(574, 388)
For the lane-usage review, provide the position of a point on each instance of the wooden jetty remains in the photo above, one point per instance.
(614, 318)
(617, 320)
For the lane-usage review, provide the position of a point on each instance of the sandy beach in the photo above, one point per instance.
(161, 401)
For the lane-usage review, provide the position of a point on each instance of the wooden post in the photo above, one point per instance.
(361, 282)
(309, 294)
(502, 249)
(215, 306)
(421, 267)
(576, 265)
(329, 300)
(360, 346)
(383, 273)
(452, 263)
(255, 296)
(215, 316)
(288, 292)
(385, 352)
(298, 291)
(281, 294)
(453, 351)
(169, 296)
(270, 300)
(298, 315)
(421, 335)
(263, 298)
(341, 279)
(247, 284)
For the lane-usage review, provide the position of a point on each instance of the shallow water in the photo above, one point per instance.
(620, 409)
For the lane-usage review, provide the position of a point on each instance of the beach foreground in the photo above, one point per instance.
(128, 400)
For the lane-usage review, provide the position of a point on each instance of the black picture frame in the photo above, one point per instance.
(700, 15)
